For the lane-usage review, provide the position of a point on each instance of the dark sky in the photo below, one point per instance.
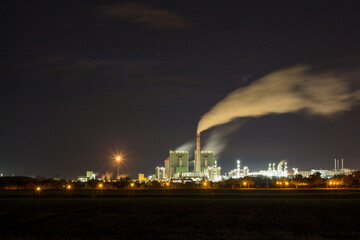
(82, 80)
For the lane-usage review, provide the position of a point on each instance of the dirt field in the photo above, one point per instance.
(182, 214)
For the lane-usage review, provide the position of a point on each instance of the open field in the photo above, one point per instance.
(180, 214)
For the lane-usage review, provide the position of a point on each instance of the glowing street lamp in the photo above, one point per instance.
(118, 159)
(205, 183)
(38, 189)
(100, 185)
(132, 184)
(68, 187)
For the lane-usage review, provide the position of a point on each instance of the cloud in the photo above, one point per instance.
(145, 15)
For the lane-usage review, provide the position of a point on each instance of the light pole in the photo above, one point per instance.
(118, 158)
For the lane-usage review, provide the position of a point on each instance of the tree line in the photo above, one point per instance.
(297, 181)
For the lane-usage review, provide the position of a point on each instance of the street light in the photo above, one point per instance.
(118, 159)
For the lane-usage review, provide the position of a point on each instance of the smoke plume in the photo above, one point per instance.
(188, 146)
(283, 91)
(217, 140)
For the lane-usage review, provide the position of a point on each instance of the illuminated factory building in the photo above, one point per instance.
(205, 167)
(178, 162)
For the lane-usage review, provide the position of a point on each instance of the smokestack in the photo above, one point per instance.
(197, 158)
(335, 164)
(342, 164)
(338, 164)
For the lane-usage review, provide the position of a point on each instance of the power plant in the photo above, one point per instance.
(176, 168)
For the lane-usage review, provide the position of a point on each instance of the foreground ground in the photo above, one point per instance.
(181, 214)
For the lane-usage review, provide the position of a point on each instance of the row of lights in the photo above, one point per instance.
(334, 183)
(38, 189)
(280, 183)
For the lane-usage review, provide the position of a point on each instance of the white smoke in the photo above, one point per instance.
(188, 146)
(107, 176)
(217, 140)
(283, 91)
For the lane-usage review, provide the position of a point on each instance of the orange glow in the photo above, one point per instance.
(167, 184)
(118, 158)
(68, 186)
(244, 183)
(132, 184)
(38, 189)
(100, 185)
(287, 183)
(205, 183)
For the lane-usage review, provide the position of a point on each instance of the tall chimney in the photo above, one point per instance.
(335, 164)
(342, 164)
(197, 159)
(338, 164)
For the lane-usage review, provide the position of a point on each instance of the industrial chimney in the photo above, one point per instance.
(335, 164)
(197, 158)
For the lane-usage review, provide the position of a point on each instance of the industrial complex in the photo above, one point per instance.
(176, 168)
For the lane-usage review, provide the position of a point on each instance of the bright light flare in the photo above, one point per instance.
(132, 184)
(38, 189)
(68, 187)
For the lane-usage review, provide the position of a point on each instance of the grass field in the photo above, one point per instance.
(181, 214)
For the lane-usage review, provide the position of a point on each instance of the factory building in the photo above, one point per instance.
(329, 173)
(213, 173)
(142, 177)
(178, 162)
(238, 172)
(90, 175)
(160, 173)
(206, 160)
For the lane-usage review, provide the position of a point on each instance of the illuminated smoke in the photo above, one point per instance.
(107, 176)
(217, 140)
(283, 91)
(188, 146)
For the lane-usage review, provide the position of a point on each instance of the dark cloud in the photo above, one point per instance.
(144, 14)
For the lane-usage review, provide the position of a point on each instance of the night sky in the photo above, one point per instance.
(83, 80)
